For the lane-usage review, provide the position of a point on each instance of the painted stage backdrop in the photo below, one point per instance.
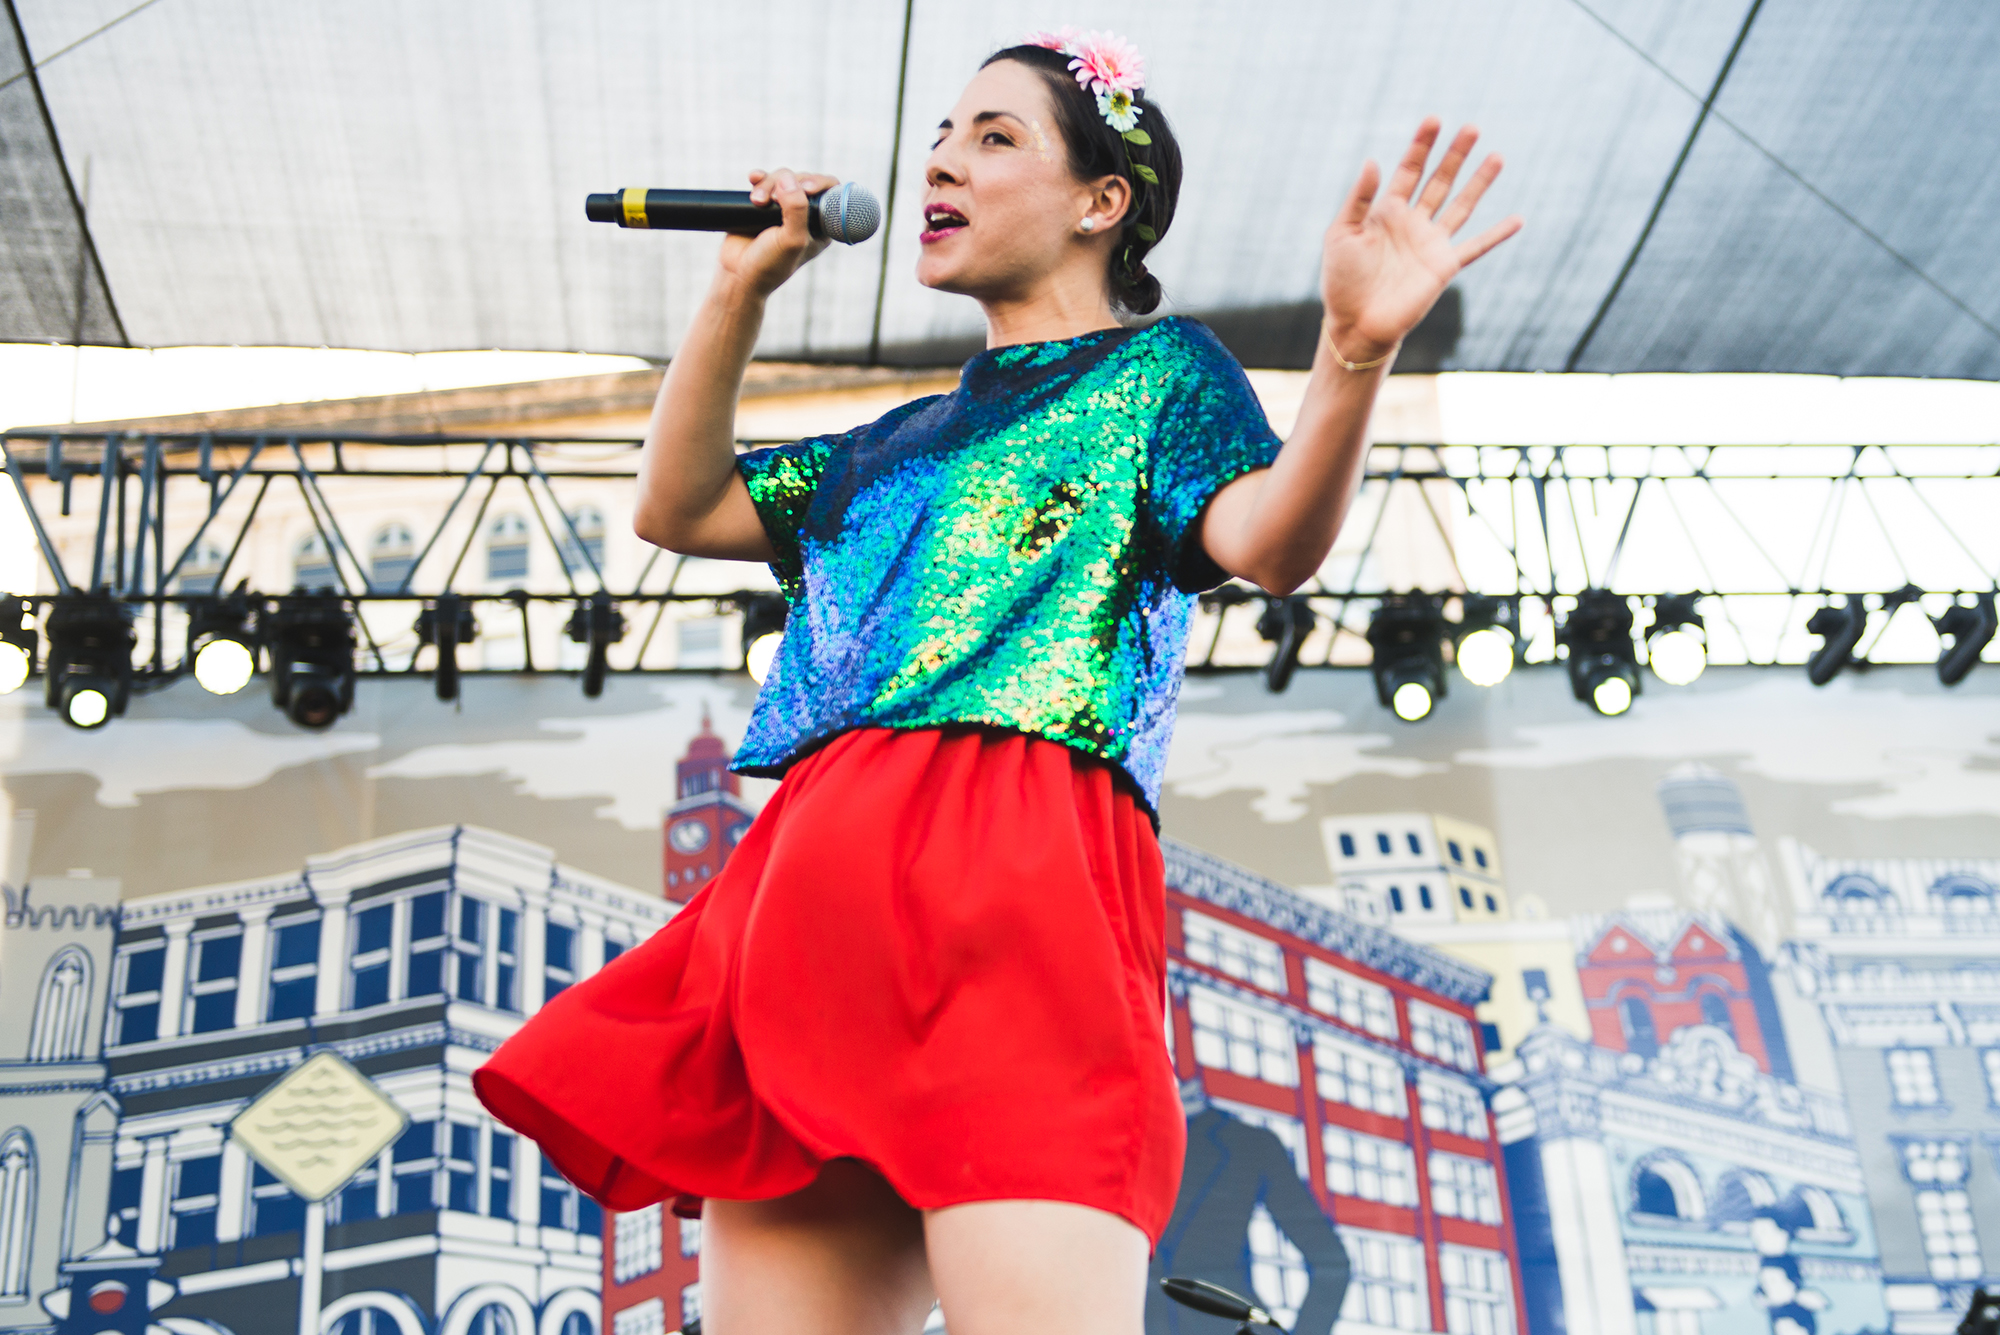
(1519, 1021)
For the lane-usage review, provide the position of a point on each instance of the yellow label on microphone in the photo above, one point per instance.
(635, 207)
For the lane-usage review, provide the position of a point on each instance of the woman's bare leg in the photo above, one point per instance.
(1010, 1267)
(845, 1256)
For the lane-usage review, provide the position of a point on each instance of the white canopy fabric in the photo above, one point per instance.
(411, 176)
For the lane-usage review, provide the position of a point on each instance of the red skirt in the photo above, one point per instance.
(938, 952)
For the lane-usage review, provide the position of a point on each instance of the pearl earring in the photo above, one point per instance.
(1090, 224)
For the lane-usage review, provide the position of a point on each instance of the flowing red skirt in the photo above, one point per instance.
(940, 952)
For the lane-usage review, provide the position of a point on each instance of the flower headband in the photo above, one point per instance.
(1111, 68)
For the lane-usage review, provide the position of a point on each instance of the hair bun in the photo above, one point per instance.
(1137, 292)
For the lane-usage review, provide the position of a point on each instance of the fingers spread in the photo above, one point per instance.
(1488, 239)
(1438, 188)
(1411, 169)
(1454, 215)
(1355, 210)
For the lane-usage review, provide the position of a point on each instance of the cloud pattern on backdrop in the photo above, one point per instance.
(137, 756)
(1277, 754)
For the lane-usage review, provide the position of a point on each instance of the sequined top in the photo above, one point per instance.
(1020, 553)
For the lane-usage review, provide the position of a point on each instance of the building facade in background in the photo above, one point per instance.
(708, 819)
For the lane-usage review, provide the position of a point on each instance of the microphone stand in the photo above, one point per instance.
(1215, 1300)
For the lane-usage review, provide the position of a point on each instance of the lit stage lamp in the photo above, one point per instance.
(1676, 642)
(310, 638)
(447, 623)
(1603, 661)
(90, 658)
(1488, 630)
(1406, 637)
(18, 643)
(222, 647)
(1839, 629)
(764, 616)
(1971, 630)
(1285, 622)
(599, 624)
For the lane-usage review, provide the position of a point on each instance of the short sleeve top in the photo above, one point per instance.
(1021, 553)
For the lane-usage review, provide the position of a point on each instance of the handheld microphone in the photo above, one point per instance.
(847, 213)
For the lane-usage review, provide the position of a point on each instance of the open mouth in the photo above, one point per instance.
(940, 221)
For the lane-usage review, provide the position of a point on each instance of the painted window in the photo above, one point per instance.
(140, 970)
(635, 1244)
(1240, 954)
(127, 1187)
(690, 1237)
(577, 1323)
(273, 1207)
(563, 1206)
(1912, 1077)
(507, 547)
(62, 1008)
(1463, 1188)
(1278, 1272)
(1479, 856)
(690, 1305)
(361, 1198)
(1989, 1061)
(1383, 845)
(294, 968)
(1424, 896)
(1492, 904)
(1451, 1105)
(17, 1212)
(1457, 854)
(613, 949)
(1715, 1011)
(1388, 1286)
(1478, 1294)
(369, 958)
(1937, 1171)
(195, 1187)
(1347, 845)
(423, 975)
(584, 548)
(558, 960)
(1396, 898)
(392, 555)
(1440, 1034)
(415, 1157)
(1416, 844)
(1369, 1167)
(1667, 1188)
(500, 1175)
(368, 1321)
(211, 1004)
(1635, 1018)
(647, 1318)
(1349, 1074)
(1367, 1006)
(492, 1319)
(461, 1167)
(1232, 1036)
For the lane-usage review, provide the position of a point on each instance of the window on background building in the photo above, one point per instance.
(506, 959)
(492, 1319)
(1715, 1011)
(392, 555)
(635, 1244)
(1478, 1294)
(1463, 1188)
(1230, 950)
(17, 1213)
(62, 1008)
(507, 547)
(461, 1168)
(1668, 1189)
(1232, 1036)
(1382, 844)
(1416, 844)
(1479, 856)
(1349, 1074)
(423, 975)
(312, 564)
(294, 968)
(1388, 1285)
(1442, 1035)
(212, 981)
(690, 1305)
(140, 971)
(414, 1162)
(196, 1186)
(500, 1175)
(1278, 1272)
(1347, 845)
(583, 549)
(368, 1321)
(1990, 1062)
(273, 1207)
(1369, 1167)
(1635, 1018)
(468, 948)
(577, 1323)
(361, 1197)
(1424, 896)
(1396, 898)
(647, 1318)
(369, 957)
(1451, 1105)
(1912, 1078)
(1451, 845)
(1937, 1171)
(128, 1187)
(1492, 904)
(690, 1237)
(1465, 895)
(1535, 982)
(563, 1206)
(558, 960)
(1367, 1006)
(613, 949)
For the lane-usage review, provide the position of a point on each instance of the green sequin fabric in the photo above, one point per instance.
(1021, 553)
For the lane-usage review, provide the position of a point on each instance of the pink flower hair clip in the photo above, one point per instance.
(1111, 69)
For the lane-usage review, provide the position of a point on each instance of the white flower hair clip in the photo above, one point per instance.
(1110, 68)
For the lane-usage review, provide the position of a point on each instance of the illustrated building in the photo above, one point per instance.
(413, 957)
(1901, 959)
(1406, 868)
(1358, 1049)
(57, 1119)
(708, 818)
(1722, 869)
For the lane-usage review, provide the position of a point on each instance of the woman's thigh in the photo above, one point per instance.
(845, 1256)
(1007, 1267)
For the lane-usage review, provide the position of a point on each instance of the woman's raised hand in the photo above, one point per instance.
(762, 262)
(1389, 256)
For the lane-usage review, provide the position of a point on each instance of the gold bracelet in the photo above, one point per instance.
(1326, 327)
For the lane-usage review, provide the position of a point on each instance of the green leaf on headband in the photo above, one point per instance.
(1145, 173)
(1146, 234)
(1139, 137)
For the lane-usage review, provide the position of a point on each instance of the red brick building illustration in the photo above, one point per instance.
(708, 818)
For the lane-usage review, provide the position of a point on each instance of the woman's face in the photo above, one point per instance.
(1001, 210)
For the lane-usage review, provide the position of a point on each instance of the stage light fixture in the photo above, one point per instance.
(90, 658)
(1840, 630)
(1406, 637)
(1677, 641)
(764, 616)
(447, 623)
(1488, 630)
(310, 638)
(599, 624)
(18, 642)
(1971, 630)
(1285, 622)
(1603, 661)
(221, 644)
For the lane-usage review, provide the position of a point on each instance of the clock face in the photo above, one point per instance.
(688, 836)
(737, 831)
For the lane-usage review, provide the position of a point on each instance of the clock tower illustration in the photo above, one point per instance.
(708, 817)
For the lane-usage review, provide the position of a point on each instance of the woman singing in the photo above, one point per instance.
(907, 1046)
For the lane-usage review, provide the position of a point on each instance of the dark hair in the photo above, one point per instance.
(1095, 149)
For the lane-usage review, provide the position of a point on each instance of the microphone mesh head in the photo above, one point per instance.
(849, 213)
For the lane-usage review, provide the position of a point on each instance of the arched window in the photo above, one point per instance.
(1715, 1011)
(577, 1323)
(61, 1007)
(1855, 893)
(1742, 1193)
(392, 554)
(367, 1321)
(312, 564)
(202, 569)
(492, 1319)
(17, 1212)
(1667, 1189)
(588, 521)
(1962, 894)
(507, 547)
(1821, 1210)
(1635, 1017)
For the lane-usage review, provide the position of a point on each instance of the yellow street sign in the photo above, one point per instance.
(318, 1126)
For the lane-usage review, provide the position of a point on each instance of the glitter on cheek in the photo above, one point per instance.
(1041, 141)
